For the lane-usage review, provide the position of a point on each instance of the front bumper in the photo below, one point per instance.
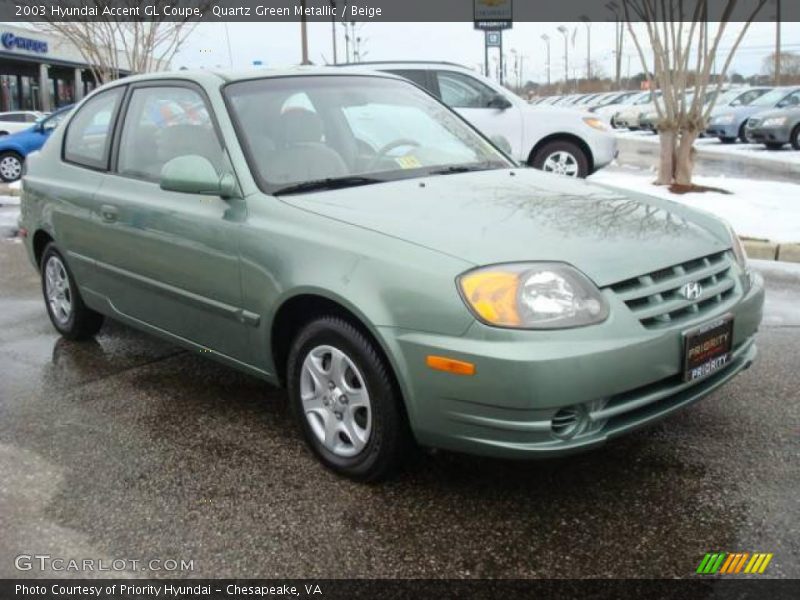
(618, 375)
(603, 145)
(769, 135)
(730, 130)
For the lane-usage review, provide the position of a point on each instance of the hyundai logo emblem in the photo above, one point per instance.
(691, 290)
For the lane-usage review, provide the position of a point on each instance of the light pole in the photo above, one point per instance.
(588, 24)
(546, 39)
(619, 36)
(304, 35)
(565, 32)
(333, 30)
(777, 42)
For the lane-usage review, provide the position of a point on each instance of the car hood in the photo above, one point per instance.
(19, 135)
(791, 113)
(558, 112)
(510, 216)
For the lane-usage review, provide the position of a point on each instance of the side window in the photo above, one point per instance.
(462, 91)
(163, 123)
(31, 118)
(88, 136)
(418, 76)
(13, 118)
(792, 100)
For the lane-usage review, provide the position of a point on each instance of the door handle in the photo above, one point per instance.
(109, 213)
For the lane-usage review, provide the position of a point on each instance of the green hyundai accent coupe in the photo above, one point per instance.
(348, 236)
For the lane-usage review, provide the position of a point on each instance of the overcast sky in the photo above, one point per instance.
(278, 45)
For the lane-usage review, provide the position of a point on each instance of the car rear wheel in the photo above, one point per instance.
(795, 138)
(345, 401)
(563, 158)
(10, 166)
(65, 307)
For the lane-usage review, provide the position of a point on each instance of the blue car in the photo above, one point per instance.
(15, 147)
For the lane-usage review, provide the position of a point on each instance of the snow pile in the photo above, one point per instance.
(757, 209)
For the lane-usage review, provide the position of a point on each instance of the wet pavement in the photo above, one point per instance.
(641, 153)
(129, 448)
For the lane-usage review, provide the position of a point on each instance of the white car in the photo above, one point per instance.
(14, 121)
(554, 139)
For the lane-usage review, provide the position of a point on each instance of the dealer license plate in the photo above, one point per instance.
(707, 349)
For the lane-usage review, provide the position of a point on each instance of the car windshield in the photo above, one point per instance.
(771, 98)
(318, 132)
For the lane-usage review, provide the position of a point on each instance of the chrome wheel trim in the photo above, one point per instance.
(335, 401)
(561, 163)
(10, 167)
(58, 290)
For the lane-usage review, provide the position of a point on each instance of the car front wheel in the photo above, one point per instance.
(795, 141)
(563, 158)
(69, 315)
(345, 401)
(10, 166)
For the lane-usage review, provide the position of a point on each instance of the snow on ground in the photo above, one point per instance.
(757, 209)
(713, 145)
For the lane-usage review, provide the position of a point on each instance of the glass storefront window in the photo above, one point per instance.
(9, 93)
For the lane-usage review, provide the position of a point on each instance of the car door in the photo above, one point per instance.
(170, 259)
(85, 151)
(471, 98)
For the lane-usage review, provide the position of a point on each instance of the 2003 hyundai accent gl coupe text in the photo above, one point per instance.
(350, 237)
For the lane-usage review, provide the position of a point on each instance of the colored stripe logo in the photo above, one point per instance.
(733, 563)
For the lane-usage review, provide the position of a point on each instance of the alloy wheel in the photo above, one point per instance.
(335, 401)
(10, 168)
(561, 163)
(59, 293)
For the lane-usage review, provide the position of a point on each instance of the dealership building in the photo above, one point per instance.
(40, 71)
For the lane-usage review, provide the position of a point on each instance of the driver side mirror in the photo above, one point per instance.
(498, 101)
(194, 174)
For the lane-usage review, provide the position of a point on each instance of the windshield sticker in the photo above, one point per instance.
(408, 162)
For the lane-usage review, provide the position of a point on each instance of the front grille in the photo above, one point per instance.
(656, 299)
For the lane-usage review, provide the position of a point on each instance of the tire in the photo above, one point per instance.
(774, 145)
(65, 307)
(354, 424)
(548, 159)
(743, 133)
(10, 166)
(727, 140)
(794, 139)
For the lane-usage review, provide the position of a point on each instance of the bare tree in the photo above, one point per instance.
(789, 66)
(683, 55)
(109, 45)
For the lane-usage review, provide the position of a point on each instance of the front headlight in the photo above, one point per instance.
(774, 122)
(532, 296)
(738, 249)
(595, 123)
(723, 119)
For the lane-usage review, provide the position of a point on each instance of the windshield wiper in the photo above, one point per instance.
(453, 169)
(329, 183)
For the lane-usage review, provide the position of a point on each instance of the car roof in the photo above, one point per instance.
(217, 77)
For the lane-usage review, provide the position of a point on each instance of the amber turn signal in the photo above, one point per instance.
(450, 365)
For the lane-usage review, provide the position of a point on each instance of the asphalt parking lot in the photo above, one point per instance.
(129, 448)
